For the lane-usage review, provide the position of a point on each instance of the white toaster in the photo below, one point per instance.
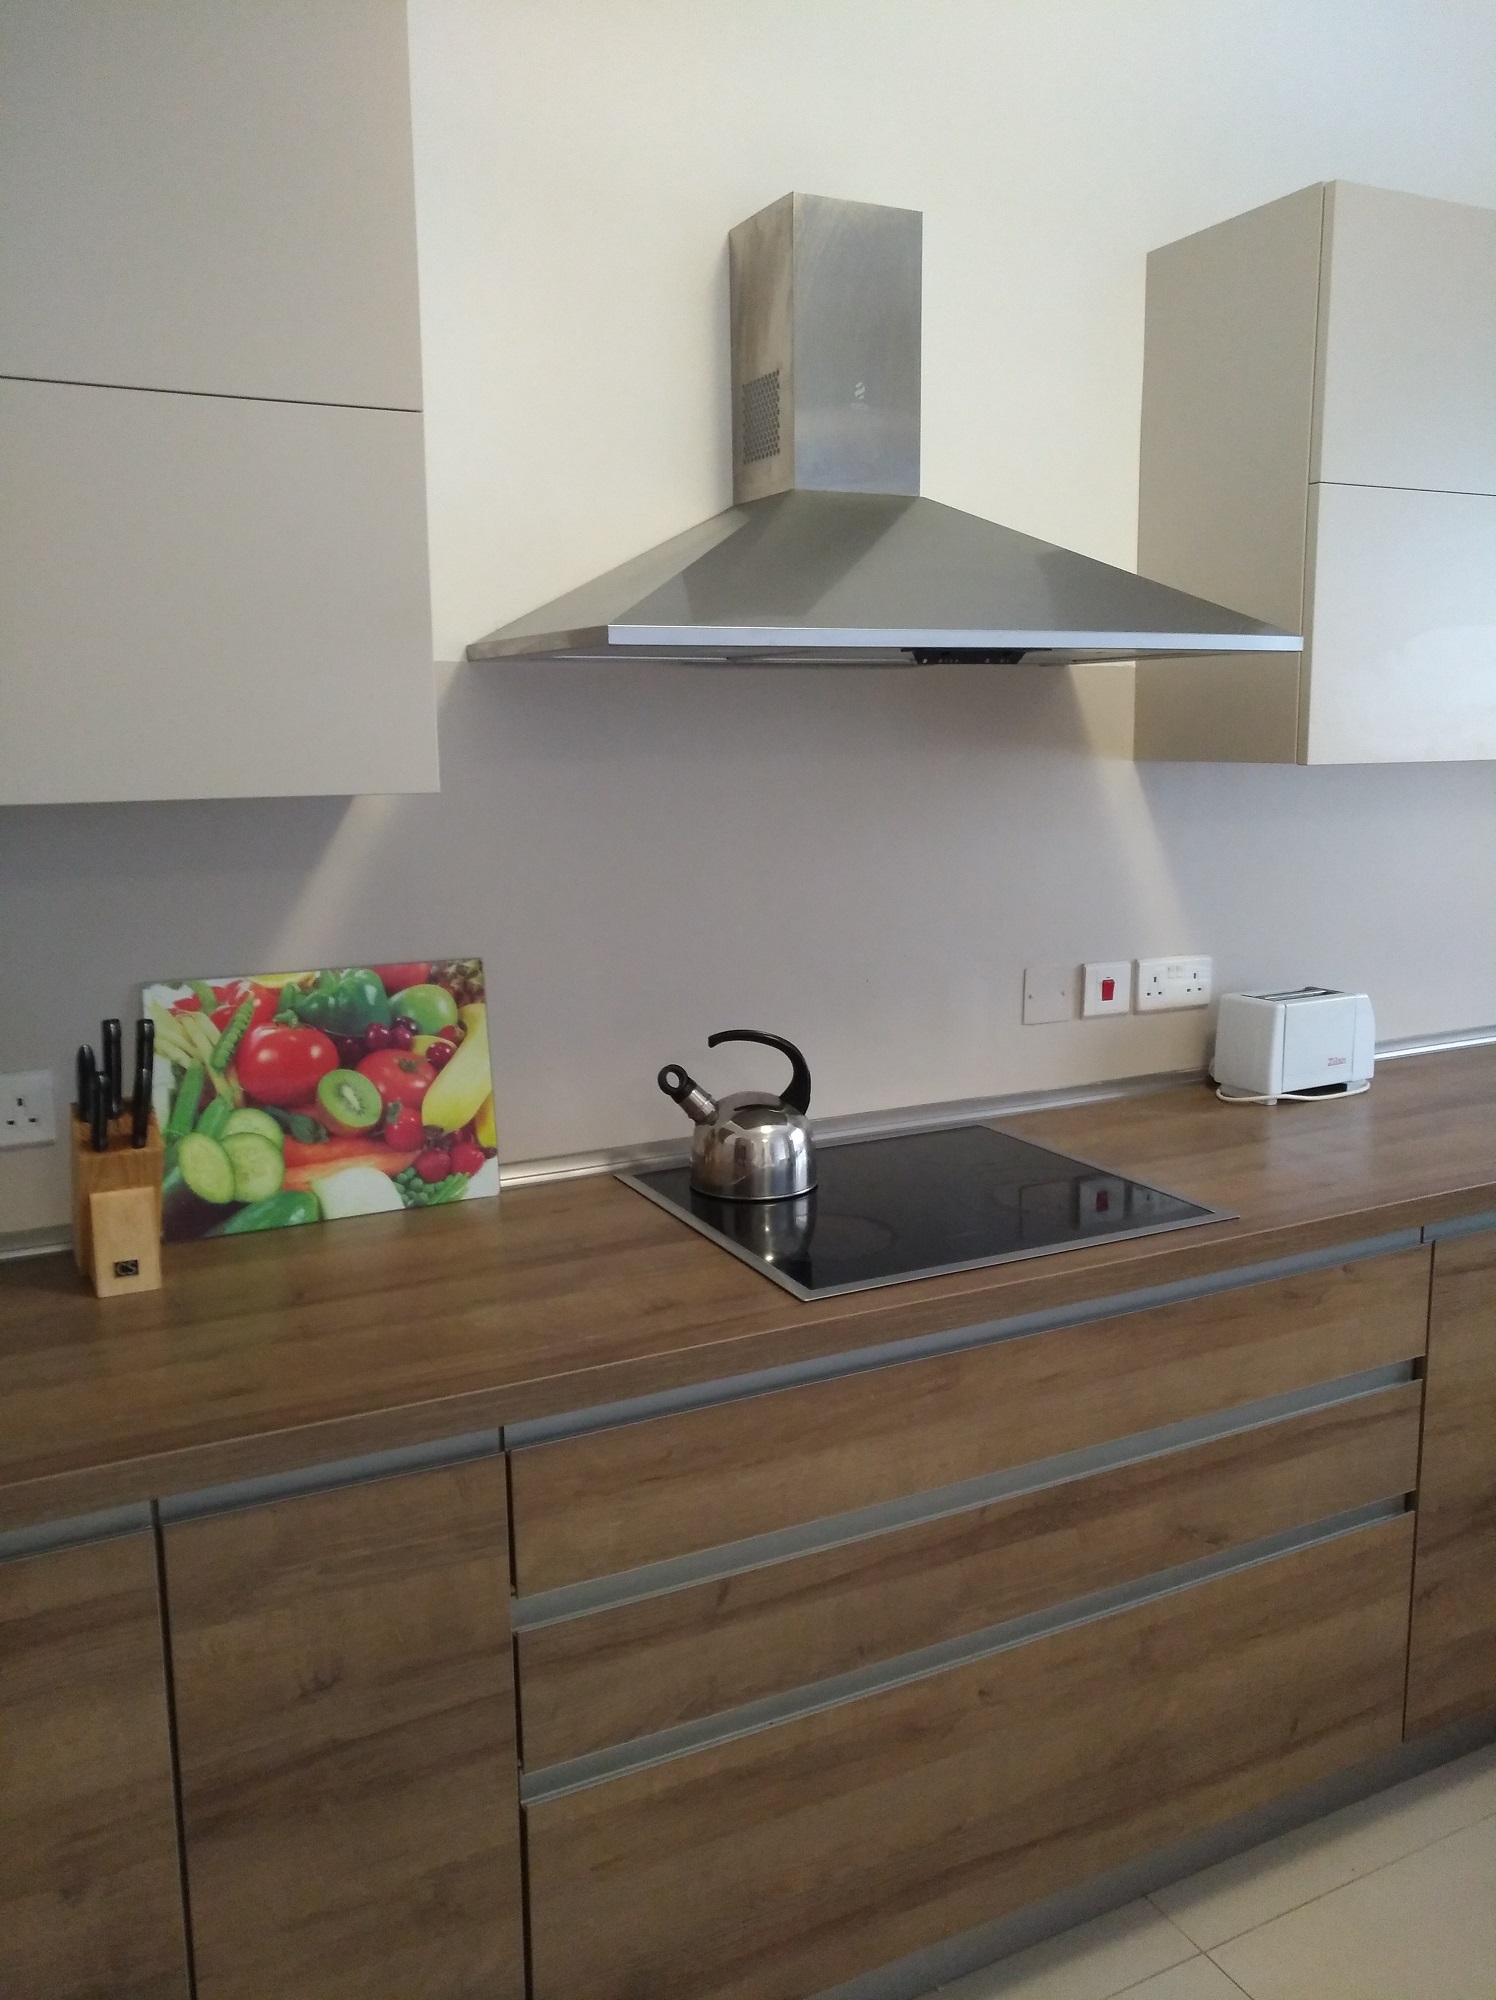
(1272, 1045)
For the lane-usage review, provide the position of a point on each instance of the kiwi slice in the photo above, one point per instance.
(349, 1100)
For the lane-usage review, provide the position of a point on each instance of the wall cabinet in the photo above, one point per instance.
(345, 1720)
(90, 1893)
(1452, 1661)
(1319, 449)
(212, 501)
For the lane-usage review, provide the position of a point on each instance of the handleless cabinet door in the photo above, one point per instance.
(1407, 366)
(1452, 1665)
(1402, 661)
(210, 195)
(90, 1887)
(210, 598)
(345, 1721)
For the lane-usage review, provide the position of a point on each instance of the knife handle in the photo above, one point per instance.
(140, 1109)
(114, 1065)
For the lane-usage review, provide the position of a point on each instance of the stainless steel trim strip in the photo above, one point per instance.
(581, 1600)
(333, 1472)
(857, 1360)
(668, 1744)
(1431, 1045)
(1460, 1225)
(909, 638)
(76, 1531)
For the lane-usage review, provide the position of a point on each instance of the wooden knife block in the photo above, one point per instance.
(117, 1209)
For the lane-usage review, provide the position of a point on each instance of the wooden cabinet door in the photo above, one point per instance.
(781, 1862)
(1452, 1662)
(345, 1722)
(645, 1492)
(90, 1884)
(213, 198)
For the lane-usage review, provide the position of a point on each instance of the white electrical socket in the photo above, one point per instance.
(1048, 993)
(1173, 982)
(26, 1116)
(1108, 987)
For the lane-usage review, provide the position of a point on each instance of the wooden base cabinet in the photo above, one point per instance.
(345, 1718)
(784, 1861)
(90, 1895)
(1452, 1657)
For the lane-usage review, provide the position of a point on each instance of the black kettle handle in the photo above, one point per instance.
(797, 1096)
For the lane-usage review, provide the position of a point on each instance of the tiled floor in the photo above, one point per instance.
(1392, 1899)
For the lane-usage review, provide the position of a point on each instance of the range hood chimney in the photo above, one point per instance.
(828, 555)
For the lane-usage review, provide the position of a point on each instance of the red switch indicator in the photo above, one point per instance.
(1108, 989)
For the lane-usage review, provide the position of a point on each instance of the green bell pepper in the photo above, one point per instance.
(341, 1003)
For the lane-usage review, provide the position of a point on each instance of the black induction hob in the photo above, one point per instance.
(921, 1204)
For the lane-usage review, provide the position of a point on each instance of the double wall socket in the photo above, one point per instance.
(1173, 982)
(26, 1115)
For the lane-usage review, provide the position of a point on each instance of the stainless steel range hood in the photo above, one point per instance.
(829, 556)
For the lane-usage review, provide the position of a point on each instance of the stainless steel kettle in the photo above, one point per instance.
(748, 1146)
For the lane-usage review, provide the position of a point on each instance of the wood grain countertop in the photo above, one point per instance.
(270, 1352)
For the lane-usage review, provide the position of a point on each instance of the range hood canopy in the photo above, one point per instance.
(829, 556)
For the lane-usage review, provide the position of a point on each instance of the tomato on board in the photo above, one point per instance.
(283, 1065)
(398, 1076)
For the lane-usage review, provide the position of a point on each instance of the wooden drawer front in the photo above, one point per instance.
(591, 1505)
(346, 1727)
(1452, 1664)
(90, 1890)
(785, 1861)
(602, 1679)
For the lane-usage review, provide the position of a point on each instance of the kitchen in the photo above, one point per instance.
(865, 861)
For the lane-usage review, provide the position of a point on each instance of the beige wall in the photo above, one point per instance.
(865, 861)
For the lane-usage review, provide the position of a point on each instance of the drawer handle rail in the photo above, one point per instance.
(597, 1766)
(604, 1593)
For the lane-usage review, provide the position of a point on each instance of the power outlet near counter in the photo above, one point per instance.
(26, 1114)
(1165, 983)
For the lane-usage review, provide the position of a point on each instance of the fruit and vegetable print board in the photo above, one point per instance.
(290, 1097)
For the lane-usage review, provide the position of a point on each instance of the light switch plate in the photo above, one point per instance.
(1048, 993)
(1108, 987)
(26, 1115)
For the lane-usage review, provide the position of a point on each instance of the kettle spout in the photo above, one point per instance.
(688, 1094)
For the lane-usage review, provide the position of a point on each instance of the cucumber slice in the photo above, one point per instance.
(249, 1118)
(256, 1164)
(197, 1188)
(205, 1167)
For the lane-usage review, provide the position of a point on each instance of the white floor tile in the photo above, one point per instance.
(1091, 1962)
(1253, 1888)
(1422, 1928)
(1196, 1979)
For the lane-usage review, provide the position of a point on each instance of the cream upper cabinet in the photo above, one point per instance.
(1407, 379)
(1319, 449)
(212, 482)
(212, 195)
